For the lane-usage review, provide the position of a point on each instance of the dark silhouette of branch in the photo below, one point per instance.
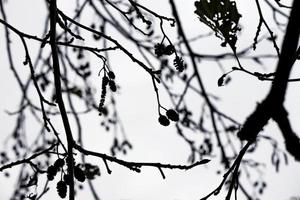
(135, 166)
(29, 159)
(233, 169)
(59, 99)
(263, 21)
(292, 141)
(78, 122)
(274, 100)
(109, 39)
(197, 74)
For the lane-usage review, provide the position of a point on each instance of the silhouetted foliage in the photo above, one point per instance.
(61, 74)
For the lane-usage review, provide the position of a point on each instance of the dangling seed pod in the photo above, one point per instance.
(172, 115)
(112, 86)
(179, 64)
(61, 189)
(163, 120)
(59, 163)
(105, 81)
(51, 172)
(111, 75)
(79, 174)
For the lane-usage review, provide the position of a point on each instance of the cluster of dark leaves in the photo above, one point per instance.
(222, 17)
(171, 114)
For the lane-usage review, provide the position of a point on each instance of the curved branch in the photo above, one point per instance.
(274, 100)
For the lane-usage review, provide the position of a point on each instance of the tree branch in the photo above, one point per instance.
(59, 99)
(135, 166)
(27, 160)
(274, 100)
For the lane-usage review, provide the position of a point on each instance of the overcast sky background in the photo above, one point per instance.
(137, 105)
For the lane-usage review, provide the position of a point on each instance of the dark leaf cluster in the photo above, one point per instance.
(222, 17)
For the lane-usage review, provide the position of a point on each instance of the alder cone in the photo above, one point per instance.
(169, 50)
(59, 163)
(61, 189)
(50, 177)
(163, 120)
(112, 86)
(51, 172)
(79, 174)
(111, 75)
(172, 115)
(105, 81)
